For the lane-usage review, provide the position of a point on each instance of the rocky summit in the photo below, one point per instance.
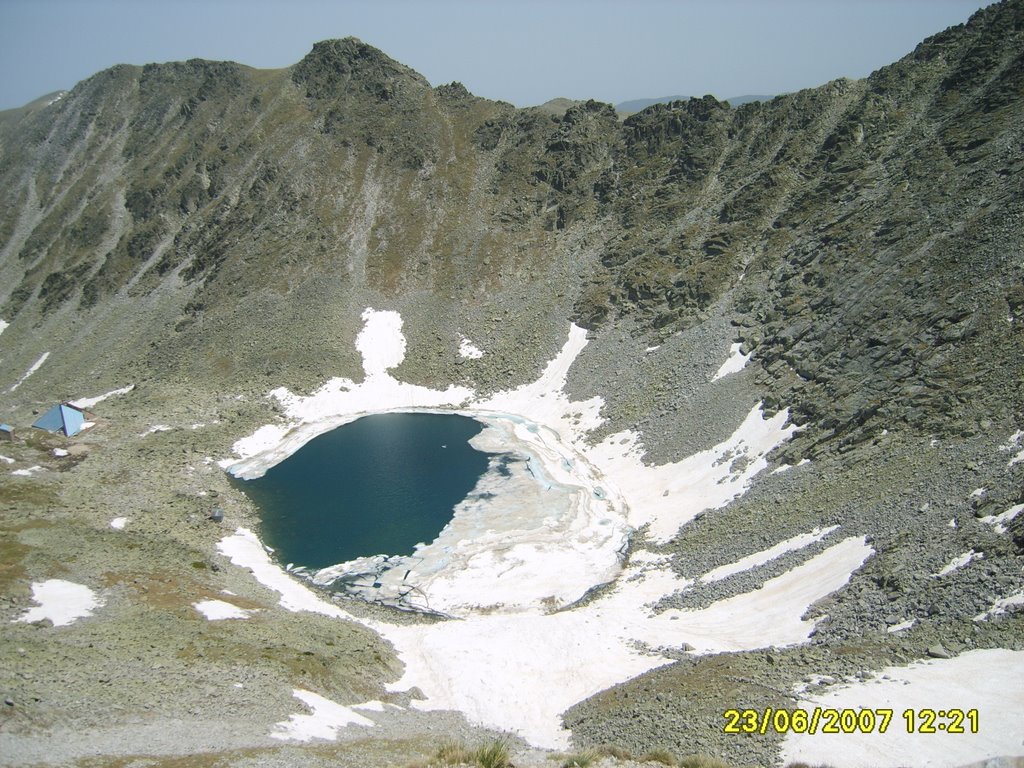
(198, 234)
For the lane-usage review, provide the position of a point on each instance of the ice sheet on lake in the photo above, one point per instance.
(503, 550)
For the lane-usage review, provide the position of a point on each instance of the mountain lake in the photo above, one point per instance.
(375, 486)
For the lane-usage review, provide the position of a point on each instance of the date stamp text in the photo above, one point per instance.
(827, 720)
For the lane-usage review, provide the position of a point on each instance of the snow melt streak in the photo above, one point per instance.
(88, 402)
(35, 367)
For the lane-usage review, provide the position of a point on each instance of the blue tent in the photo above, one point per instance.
(61, 418)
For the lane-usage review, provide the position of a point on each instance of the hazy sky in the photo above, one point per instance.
(522, 51)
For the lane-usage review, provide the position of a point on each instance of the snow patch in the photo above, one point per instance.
(1011, 445)
(263, 439)
(27, 472)
(772, 615)
(35, 367)
(959, 562)
(991, 681)
(88, 402)
(736, 362)
(903, 625)
(1002, 605)
(381, 342)
(339, 401)
(326, 719)
(118, 523)
(156, 428)
(6, 459)
(218, 610)
(667, 496)
(786, 467)
(62, 602)
(767, 555)
(3, 325)
(245, 550)
(60, 453)
(468, 350)
(544, 401)
(998, 522)
(487, 665)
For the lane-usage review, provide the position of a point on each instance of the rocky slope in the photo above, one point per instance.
(208, 231)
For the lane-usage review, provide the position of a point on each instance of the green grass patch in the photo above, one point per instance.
(493, 755)
(452, 753)
(701, 761)
(580, 759)
(662, 756)
(613, 750)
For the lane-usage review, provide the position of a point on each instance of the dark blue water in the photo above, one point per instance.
(377, 486)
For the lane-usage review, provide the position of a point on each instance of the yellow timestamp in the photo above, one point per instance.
(828, 720)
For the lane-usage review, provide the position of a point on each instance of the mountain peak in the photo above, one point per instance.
(333, 66)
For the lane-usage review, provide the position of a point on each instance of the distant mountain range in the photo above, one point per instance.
(635, 105)
(560, 105)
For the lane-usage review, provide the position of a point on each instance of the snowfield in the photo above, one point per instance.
(990, 681)
(512, 664)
